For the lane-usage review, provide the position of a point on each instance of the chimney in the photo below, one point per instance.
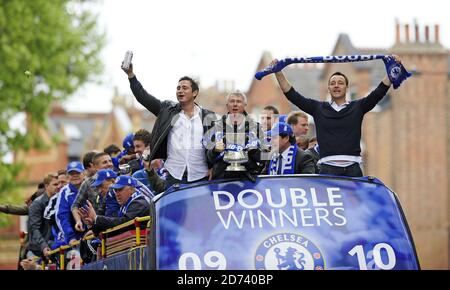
(397, 31)
(436, 33)
(407, 33)
(416, 30)
(427, 34)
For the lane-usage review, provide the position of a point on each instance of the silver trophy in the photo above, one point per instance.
(235, 156)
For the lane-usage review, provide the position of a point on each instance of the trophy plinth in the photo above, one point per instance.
(235, 158)
(235, 155)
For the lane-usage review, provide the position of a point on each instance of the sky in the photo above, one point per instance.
(223, 40)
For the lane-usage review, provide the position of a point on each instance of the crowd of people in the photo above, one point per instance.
(188, 144)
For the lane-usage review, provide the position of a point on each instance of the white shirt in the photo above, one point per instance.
(340, 160)
(337, 107)
(184, 147)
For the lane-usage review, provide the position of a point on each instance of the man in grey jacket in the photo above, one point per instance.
(38, 227)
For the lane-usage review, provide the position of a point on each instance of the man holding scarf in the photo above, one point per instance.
(286, 157)
(338, 122)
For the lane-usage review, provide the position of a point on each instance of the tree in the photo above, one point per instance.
(48, 49)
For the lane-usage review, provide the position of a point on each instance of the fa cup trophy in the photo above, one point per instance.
(235, 152)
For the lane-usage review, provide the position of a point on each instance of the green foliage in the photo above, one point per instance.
(48, 49)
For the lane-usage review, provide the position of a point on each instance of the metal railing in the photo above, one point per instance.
(103, 236)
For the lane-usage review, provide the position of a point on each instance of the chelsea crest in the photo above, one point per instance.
(288, 251)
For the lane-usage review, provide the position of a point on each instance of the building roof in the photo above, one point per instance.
(79, 129)
(305, 79)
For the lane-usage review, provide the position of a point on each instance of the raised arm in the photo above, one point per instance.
(369, 102)
(150, 102)
(281, 78)
(305, 104)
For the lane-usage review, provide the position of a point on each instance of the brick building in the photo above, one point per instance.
(406, 137)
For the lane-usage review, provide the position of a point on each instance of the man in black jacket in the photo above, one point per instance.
(132, 204)
(313, 150)
(287, 157)
(38, 227)
(235, 121)
(338, 122)
(178, 130)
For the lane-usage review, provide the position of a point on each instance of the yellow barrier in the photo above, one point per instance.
(61, 250)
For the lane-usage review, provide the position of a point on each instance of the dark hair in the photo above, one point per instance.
(112, 149)
(338, 73)
(143, 135)
(194, 84)
(291, 137)
(98, 155)
(272, 108)
(88, 158)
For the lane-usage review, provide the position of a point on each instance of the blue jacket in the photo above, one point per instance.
(64, 218)
(142, 176)
(112, 206)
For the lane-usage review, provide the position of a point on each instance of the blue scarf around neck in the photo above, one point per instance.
(288, 166)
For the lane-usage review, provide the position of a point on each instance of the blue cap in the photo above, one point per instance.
(281, 128)
(282, 118)
(128, 141)
(75, 166)
(124, 180)
(102, 175)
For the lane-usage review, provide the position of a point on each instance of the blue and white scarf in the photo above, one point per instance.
(288, 164)
(123, 210)
(395, 71)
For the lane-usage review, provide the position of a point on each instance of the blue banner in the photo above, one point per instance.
(134, 259)
(283, 222)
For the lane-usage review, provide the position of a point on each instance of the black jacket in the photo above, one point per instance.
(165, 111)
(304, 163)
(254, 154)
(39, 228)
(338, 133)
(139, 207)
(315, 155)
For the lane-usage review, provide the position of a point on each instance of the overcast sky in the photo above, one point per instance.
(223, 40)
